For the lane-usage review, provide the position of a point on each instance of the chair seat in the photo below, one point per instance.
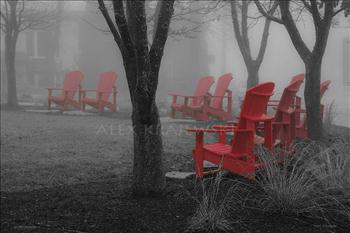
(90, 100)
(259, 140)
(222, 150)
(177, 106)
(59, 98)
(196, 107)
(264, 117)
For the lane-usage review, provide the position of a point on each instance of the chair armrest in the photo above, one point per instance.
(87, 90)
(280, 123)
(300, 110)
(201, 130)
(224, 127)
(53, 88)
(175, 94)
(187, 96)
(213, 96)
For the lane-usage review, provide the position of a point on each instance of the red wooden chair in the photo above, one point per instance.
(301, 128)
(284, 123)
(196, 100)
(71, 85)
(213, 104)
(238, 157)
(294, 78)
(106, 86)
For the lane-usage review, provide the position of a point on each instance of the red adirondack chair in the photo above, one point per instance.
(213, 104)
(197, 99)
(284, 123)
(71, 85)
(301, 128)
(295, 78)
(106, 86)
(238, 157)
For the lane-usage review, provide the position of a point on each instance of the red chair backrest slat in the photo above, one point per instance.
(297, 77)
(323, 87)
(220, 90)
(254, 105)
(289, 94)
(202, 89)
(255, 102)
(105, 84)
(71, 83)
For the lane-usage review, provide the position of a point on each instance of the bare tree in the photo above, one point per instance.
(189, 17)
(322, 13)
(241, 27)
(17, 16)
(142, 64)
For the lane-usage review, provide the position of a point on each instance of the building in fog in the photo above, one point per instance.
(42, 56)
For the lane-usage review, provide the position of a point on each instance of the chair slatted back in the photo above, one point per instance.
(220, 90)
(202, 89)
(71, 83)
(106, 83)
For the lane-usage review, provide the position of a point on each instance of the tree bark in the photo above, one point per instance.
(241, 34)
(253, 75)
(148, 174)
(142, 65)
(312, 98)
(10, 54)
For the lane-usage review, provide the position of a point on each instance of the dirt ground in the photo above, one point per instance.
(62, 173)
(46, 150)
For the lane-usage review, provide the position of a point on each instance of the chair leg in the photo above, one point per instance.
(49, 104)
(100, 107)
(173, 113)
(83, 105)
(113, 108)
(199, 167)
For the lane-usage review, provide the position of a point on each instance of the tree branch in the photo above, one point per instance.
(265, 35)
(122, 24)
(266, 13)
(111, 26)
(157, 48)
(236, 27)
(293, 31)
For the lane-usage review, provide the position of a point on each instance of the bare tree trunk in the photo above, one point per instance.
(312, 98)
(148, 174)
(10, 53)
(253, 75)
(148, 171)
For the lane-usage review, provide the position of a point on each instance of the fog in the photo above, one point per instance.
(83, 43)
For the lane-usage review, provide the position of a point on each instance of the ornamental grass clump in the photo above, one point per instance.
(309, 182)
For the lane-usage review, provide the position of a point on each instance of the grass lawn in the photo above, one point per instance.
(62, 173)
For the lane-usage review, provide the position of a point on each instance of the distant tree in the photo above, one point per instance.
(322, 12)
(142, 62)
(241, 26)
(17, 16)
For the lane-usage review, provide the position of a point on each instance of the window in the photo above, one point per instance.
(30, 43)
(346, 60)
(37, 43)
